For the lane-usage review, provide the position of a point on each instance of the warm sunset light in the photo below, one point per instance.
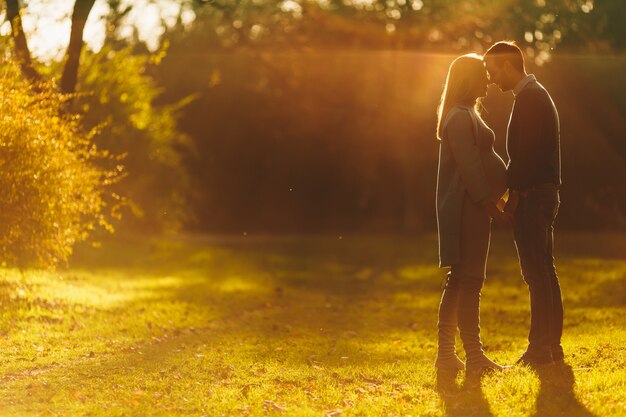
(47, 23)
(320, 208)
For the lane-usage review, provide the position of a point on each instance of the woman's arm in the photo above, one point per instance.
(459, 135)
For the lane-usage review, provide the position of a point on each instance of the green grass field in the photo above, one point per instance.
(302, 326)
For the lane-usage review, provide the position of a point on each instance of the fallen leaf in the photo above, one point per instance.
(347, 402)
(271, 405)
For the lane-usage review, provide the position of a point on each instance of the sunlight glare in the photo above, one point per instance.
(5, 28)
(361, 4)
(587, 6)
(417, 5)
(528, 37)
(47, 24)
(290, 6)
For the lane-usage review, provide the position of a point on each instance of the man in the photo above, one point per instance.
(533, 178)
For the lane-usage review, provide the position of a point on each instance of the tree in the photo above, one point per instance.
(121, 100)
(116, 95)
(82, 8)
(314, 114)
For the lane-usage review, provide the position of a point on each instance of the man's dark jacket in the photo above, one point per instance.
(533, 140)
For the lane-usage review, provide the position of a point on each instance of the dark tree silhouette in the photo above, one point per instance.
(82, 8)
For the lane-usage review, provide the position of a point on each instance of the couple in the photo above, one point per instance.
(472, 180)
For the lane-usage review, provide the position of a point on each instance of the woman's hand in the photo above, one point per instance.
(500, 218)
(501, 204)
(512, 202)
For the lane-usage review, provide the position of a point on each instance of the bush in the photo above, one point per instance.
(120, 96)
(51, 189)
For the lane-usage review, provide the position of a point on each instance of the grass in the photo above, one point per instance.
(297, 326)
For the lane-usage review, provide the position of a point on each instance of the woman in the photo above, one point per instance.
(470, 181)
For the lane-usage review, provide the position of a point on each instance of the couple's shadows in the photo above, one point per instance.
(468, 400)
(556, 395)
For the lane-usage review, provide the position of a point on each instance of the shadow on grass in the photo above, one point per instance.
(357, 284)
(556, 397)
(556, 394)
(287, 279)
(303, 306)
(206, 361)
(466, 401)
(300, 303)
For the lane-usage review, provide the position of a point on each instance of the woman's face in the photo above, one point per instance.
(481, 85)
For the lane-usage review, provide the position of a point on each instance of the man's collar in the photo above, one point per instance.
(522, 83)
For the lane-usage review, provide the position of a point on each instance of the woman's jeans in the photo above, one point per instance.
(533, 230)
(460, 301)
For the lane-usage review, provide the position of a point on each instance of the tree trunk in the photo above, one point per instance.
(82, 8)
(22, 52)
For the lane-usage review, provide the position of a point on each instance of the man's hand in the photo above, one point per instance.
(500, 218)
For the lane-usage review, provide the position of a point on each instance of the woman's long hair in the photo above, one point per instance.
(463, 75)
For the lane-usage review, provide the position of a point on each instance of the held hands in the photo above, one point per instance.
(500, 218)
(512, 202)
(503, 219)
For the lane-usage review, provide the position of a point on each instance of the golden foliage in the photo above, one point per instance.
(52, 195)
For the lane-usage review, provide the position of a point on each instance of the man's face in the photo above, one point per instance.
(496, 74)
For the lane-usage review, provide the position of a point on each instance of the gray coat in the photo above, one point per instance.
(460, 171)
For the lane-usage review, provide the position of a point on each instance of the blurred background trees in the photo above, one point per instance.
(244, 116)
(319, 115)
(116, 93)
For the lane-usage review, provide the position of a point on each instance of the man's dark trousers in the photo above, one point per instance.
(534, 230)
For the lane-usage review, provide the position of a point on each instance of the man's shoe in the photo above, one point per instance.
(557, 355)
(533, 360)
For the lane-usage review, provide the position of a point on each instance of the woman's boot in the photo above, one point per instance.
(469, 325)
(447, 359)
(448, 363)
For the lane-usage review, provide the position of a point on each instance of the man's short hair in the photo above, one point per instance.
(506, 51)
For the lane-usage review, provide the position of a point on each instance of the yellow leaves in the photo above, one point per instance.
(51, 184)
(156, 58)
